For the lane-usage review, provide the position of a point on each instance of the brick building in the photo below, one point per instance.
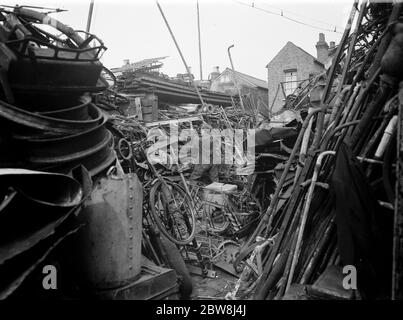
(292, 66)
(253, 90)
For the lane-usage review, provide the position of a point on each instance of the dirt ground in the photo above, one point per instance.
(208, 288)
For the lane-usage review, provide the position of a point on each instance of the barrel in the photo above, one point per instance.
(109, 245)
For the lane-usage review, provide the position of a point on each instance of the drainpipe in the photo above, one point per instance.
(234, 76)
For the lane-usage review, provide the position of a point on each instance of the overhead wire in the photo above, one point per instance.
(306, 17)
(286, 17)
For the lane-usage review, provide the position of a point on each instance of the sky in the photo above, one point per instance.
(135, 30)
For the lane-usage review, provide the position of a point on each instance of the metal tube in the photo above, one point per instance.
(305, 214)
(180, 52)
(235, 77)
(198, 31)
(338, 53)
(267, 216)
(89, 19)
(340, 91)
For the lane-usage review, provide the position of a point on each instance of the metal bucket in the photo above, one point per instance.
(109, 245)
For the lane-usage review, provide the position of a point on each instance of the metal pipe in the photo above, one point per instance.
(332, 74)
(235, 78)
(180, 52)
(304, 148)
(198, 31)
(340, 91)
(330, 134)
(89, 19)
(305, 214)
(320, 119)
(338, 53)
(267, 216)
(386, 85)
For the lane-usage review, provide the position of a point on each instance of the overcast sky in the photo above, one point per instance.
(135, 29)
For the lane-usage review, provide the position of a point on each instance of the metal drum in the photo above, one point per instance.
(109, 245)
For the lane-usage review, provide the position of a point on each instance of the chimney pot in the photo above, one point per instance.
(216, 72)
(322, 49)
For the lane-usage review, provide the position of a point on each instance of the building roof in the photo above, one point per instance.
(252, 80)
(289, 43)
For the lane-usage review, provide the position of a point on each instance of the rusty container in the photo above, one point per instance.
(109, 245)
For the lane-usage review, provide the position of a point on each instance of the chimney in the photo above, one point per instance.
(322, 49)
(332, 45)
(216, 72)
(126, 62)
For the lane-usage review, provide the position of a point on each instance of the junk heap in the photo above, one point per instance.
(337, 203)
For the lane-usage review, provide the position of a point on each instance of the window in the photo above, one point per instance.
(290, 83)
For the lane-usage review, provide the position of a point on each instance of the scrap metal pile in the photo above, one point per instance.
(53, 137)
(335, 204)
(326, 191)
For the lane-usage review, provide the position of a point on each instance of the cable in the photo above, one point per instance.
(288, 18)
(309, 18)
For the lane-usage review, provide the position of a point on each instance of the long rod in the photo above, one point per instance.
(397, 276)
(180, 52)
(305, 216)
(89, 19)
(200, 51)
(234, 76)
(347, 62)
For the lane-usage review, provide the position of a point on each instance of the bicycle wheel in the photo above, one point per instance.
(173, 212)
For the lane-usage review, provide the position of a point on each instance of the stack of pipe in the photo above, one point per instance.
(172, 91)
(357, 111)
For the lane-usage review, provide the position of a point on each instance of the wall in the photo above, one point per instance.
(258, 95)
(290, 57)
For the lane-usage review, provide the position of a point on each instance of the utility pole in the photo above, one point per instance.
(198, 29)
(89, 18)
